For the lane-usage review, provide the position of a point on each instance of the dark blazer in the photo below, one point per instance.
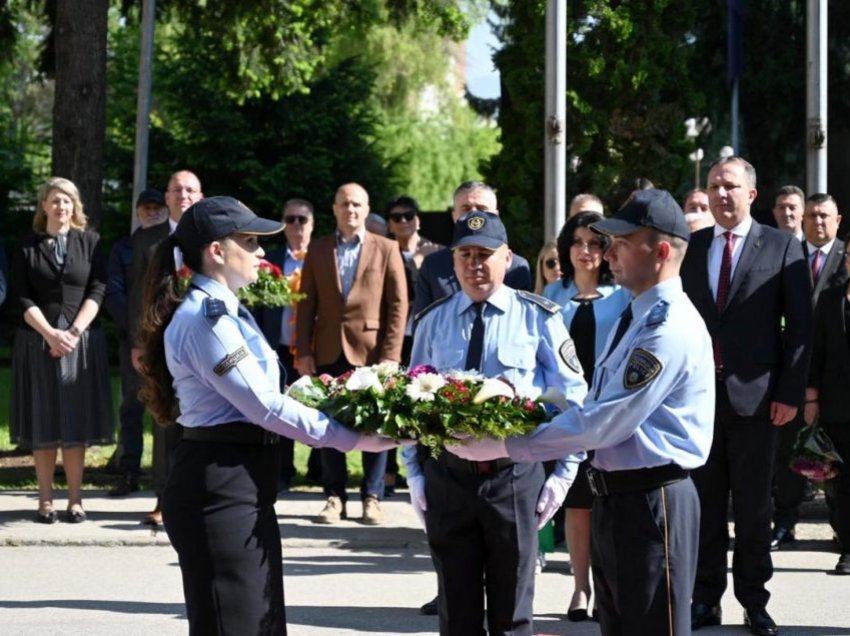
(369, 326)
(269, 318)
(832, 274)
(145, 242)
(58, 291)
(117, 275)
(830, 371)
(437, 278)
(761, 364)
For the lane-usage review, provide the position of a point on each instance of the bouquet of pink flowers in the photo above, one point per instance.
(814, 456)
(422, 404)
(271, 289)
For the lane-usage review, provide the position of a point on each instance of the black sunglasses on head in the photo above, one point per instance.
(398, 217)
(296, 219)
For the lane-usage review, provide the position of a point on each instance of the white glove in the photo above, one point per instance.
(416, 485)
(482, 450)
(374, 443)
(551, 497)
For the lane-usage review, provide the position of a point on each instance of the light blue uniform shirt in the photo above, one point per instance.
(347, 259)
(225, 371)
(522, 343)
(606, 310)
(646, 414)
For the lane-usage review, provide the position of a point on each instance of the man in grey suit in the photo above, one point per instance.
(745, 279)
(184, 189)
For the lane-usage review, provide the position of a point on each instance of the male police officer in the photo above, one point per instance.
(480, 516)
(649, 416)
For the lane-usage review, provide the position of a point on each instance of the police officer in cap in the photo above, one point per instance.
(649, 415)
(204, 353)
(482, 517)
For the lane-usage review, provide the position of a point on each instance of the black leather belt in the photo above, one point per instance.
(453, 462)
(231, 433)
(603, 483)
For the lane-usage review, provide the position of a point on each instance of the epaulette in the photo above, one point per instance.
(659, 313)
(436, 303)
(549, 305)
(214, 307)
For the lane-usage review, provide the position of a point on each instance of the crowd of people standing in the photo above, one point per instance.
(772, 303)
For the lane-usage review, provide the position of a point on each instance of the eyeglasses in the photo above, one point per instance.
(303, 220)
(398, 217)
(591, 245)
(551, 263)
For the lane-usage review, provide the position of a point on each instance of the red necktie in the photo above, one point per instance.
(723, 283)
(816, 265)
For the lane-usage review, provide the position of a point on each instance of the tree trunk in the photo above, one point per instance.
(79, 111)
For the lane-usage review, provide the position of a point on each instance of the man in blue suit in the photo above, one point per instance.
(437, 275)
(745, 279)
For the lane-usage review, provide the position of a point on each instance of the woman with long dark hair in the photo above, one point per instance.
(208, 367)
(591, 306)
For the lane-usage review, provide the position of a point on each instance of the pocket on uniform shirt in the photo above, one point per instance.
(517, 356)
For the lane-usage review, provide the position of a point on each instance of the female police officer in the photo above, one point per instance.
(204, 352)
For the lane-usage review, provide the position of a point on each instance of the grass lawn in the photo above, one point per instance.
(16, 471)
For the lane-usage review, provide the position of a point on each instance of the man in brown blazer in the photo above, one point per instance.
(352, 315)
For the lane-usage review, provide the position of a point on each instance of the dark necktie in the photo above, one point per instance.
(724, 280)
(622, 327)
(816, 266)
(246, 315)
(476, 340)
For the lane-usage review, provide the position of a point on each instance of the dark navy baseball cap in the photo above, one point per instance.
(150, 196)
(215, 218)
(656, 209)
(482, 229)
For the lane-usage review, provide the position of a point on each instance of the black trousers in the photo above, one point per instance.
(644, 555)
(789, 488)
(334, 469)
(740, 463)
(482, 531)
(131, 412)
(838, 489)
(218, 508)
(165, 439)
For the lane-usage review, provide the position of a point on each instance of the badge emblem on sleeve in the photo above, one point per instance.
(230, 360)
(567, 351)
(641, 368)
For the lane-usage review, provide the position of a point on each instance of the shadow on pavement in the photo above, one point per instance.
(120, 607)
(388, 562)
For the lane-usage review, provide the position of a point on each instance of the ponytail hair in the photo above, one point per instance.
(162, 295)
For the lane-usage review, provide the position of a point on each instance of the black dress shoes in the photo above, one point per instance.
(129, 483)
(759, 622)
(782, 538)
(430, 608)
(48, 517)
(703, 615)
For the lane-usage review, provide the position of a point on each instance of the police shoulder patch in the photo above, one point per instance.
(641, 369)
(427, 309)
(658, 314)
(230, 360)
(214, 307)
(549, 305)
(567, 351)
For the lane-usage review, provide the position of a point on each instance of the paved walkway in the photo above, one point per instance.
(110, 575)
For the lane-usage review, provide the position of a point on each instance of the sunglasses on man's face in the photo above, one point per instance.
(296, 219)
(551, 263)
(398, 217)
